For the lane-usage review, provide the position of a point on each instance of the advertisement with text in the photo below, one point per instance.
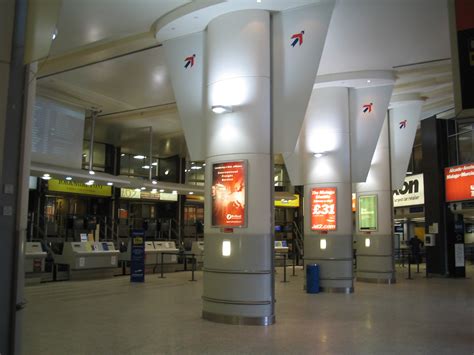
(228, 194)
(323, 209)
(459, 182)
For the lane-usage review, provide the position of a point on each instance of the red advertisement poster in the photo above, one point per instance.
(228, 194)
(459, 182)
(323, 209)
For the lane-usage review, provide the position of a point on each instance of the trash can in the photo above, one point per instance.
(312, 278)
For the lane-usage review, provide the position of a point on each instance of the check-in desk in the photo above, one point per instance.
(281, 249)
(197, 248)
(87, 260)
(34, 262)
(169, 261)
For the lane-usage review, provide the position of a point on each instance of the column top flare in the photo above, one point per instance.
(356, 79)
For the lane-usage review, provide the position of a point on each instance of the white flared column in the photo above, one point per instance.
(327, 131)
(375, 248)
(238, 288)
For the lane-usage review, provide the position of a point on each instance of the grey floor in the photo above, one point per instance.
(162, 316)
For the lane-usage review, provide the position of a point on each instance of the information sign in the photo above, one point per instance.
(459, 182)
(323, 209)
(368, 213)
(137, 262)
(228, 194)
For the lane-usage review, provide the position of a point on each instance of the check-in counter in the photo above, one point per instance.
(197, 248)
(281, 247)
(167, 247)
(151, 254)
(34, 262)
(99, 258)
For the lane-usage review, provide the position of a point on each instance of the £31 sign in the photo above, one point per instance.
(323, 209)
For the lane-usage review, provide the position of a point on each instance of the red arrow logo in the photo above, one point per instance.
(403, 124)
(189, 61)
(297, 37)
(367, 107)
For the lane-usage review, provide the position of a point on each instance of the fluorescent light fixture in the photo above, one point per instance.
(192, 163)
(318, 154)
(219, 109)
(367, 242)
(110, 183)
(91, 172)
(226, 248)
(46, 177)
(322, 244)
(68, 178)
(139, 157)
(90, 182)
(146, 167)
(167, 171)
(174, 192)
(154, 182)
(196, 167)
(191, 193)
(161, 190)
(143, 188)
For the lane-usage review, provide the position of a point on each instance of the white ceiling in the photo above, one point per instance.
(363, 35)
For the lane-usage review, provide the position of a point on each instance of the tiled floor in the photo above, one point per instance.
(163, 316)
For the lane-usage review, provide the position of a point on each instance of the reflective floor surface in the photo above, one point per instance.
(163, 316)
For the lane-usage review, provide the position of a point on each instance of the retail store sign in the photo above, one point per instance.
(130, 193)
(295, 202)
(323, 208)
(412, 193)
(368, 213)
(79, 188)
(228, 194)
(459, 182)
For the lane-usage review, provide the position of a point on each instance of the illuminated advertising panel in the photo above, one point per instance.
(323, 209)
(368, 213)
(79, 188)
(228, 194)
(459, 182)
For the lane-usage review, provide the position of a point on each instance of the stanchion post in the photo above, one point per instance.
(194, 267)
(418, 264)
(284, 268)
(294, 264)
(162, 276)
(409, 268)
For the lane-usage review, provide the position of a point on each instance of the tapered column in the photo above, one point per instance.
(238, 266)
(375, 246)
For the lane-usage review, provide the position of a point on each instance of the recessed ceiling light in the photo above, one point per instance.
(204, 164)
(191, 193)
(146, 167)
(46, 175)
(90, 182)
(154, 182)
(91, 172)
(174, 192)
(155, 163)
(110, 183)
(196, 167)
(161, 190)
(143, 188)
(68, 178)
(122, 155)
(219, 109)
(167, 171)
(84, 155)
(139, 157)
(368, 81)
(318, 155)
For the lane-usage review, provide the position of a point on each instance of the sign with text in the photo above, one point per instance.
(79, 188)
(228, 194)
(412, 193)
(323, 209)
(459, 182)
(368, 213)
(137, 256)
(295, 202)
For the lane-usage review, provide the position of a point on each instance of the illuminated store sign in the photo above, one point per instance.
(228, 194)
(145, 195)
(368, 213)
(288, 203)
(412, 193)
(323, 209)
(459, 182)
(79, 188)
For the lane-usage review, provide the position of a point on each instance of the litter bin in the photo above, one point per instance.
(312, 278)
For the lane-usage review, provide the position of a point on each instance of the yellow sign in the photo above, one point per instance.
(288, 203)
(79, 188)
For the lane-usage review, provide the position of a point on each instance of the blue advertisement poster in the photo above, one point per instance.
(137, 263)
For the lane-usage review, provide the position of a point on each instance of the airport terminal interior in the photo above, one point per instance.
(236, 177)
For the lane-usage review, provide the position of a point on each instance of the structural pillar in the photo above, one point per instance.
(238, 262)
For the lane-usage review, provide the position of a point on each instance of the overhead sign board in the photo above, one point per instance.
(412, 193)
(295, 202)
(368, 213)
(79, 188)
(147, 195)
(228, 194)
(323, 209)
(459, 182)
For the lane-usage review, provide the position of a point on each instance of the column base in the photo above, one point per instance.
(238, 320)
(346, 290)
(389, 281)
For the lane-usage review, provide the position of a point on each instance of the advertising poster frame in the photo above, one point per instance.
(219, 212)
(323, 216)
(137, 256)
(376, 204)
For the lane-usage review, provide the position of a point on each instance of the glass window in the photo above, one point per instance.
(465, 148)
(452, 150)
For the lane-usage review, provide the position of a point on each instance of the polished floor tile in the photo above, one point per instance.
(163, 316)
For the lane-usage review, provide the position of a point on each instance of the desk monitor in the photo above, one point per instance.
(83, 237)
